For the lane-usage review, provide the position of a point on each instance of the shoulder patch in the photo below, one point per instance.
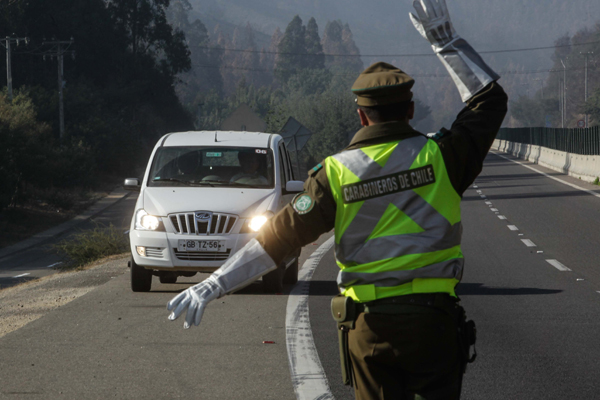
(303, 203)
(315, 169)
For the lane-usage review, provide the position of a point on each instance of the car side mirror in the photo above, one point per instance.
(294, 186)
(132, 184)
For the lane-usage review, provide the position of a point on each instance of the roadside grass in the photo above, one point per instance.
(88, 246)
(597, 181)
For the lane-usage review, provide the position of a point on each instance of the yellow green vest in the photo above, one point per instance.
(397, 226)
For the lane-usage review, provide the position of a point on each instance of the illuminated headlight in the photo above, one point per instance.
(257, 222)
(147, 222)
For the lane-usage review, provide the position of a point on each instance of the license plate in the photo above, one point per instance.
(201, 245)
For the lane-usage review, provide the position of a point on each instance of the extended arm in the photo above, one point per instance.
(289, 230)
(467, 143)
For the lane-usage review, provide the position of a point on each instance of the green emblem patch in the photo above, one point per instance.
(303, 203)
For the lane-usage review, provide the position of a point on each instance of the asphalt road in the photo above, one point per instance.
(38, 261)
(536, 319)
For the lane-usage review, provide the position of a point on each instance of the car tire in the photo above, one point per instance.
(141, 278)
(290, 276)
(168, 278)
(273, 281)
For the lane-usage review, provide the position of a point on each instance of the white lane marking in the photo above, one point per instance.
(528, 243)
(475, 186)
(494, 209)
(483, 196)
(22, 275)
(308, 376)
(513, 227)
(558, 265)
(488, 202)
(501, 217)
(550, 176)
(53, 265)
(479, 191)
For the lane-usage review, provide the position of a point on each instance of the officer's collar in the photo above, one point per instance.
(386, 131)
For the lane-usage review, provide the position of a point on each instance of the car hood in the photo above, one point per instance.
(244, 202)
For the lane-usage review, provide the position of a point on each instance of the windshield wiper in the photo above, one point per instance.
(248, 185)
(188, 183)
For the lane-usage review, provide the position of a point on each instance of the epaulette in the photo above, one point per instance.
(439, 134)
(313, 171)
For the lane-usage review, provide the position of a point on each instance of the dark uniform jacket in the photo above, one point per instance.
(464, 147)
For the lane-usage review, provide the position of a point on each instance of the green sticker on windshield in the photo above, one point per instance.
(213, 154)
(303, 203)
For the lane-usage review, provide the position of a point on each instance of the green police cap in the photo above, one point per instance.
(381, 84)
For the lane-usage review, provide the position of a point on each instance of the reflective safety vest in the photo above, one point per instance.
(397, 225)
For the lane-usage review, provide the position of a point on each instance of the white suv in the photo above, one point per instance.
(204, 196)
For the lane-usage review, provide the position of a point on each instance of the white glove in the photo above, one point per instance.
(244, 267)
(195, 299)
(468, 70)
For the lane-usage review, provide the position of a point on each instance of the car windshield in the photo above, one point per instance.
(212, 167)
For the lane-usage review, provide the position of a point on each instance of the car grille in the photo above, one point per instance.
(186, 224)
(202, 255)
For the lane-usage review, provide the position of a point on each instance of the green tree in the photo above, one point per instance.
(313, 46)
(292, 51)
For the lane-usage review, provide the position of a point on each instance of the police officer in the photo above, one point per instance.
(393, 196)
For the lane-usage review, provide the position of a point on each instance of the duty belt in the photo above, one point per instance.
(426, 303)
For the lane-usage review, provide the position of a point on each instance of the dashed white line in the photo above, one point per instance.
(54, 265)
(483, 196)
(558, 265)
(488, 202)
(501, 217)
(513, 227)
(528, 243)
(494, 209)
(22, 275)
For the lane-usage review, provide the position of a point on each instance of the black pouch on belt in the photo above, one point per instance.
(467, 336)
(343, 310)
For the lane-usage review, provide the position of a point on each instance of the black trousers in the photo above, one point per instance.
(406, 356)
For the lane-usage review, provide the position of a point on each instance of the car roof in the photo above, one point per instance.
(218, 138)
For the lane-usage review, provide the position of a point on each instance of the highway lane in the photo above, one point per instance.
(537, 324)
(39, 261)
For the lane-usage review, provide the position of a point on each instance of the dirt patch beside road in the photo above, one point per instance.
(29, 301)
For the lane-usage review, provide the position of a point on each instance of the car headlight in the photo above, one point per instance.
(147, 222)
(257, 222)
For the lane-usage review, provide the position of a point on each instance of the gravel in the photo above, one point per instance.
(29, 301)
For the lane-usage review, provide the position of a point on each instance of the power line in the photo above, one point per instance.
(391, 55)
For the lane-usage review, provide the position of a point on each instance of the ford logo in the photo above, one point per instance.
(203, 216)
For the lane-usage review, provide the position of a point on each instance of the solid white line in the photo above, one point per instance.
(22, 275)
(501, 217)
(513, 227)
(53, 265)
(549, 176)
(558, 265)
(308, 376)
(528, 243)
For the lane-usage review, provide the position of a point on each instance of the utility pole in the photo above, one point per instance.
(586, 54)
(60, 52)
(542, 85)
(6, 43)
(564, 93)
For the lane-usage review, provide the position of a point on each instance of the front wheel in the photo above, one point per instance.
(141, 278)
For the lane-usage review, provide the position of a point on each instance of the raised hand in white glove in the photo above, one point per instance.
(194, 299)
(433, 22)
(467, 69)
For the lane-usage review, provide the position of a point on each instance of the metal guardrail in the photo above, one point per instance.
(578, 141)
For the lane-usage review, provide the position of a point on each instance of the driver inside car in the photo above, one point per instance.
(250, 165)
